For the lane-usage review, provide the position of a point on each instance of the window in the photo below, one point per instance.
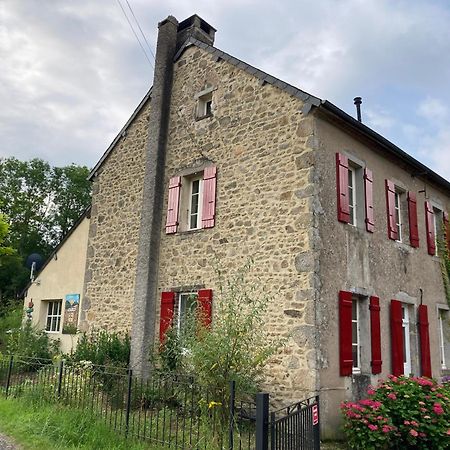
(441, 323)
(406, 340)
(354, 188)
(204, 106)
(187, 302)
(356, 338)
(53, 321)
(438, 228)
(398, 215)
(195, 203)
(352, 194)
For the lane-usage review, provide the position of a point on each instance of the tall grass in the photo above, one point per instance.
(50, 426)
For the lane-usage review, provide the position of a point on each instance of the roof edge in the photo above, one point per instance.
(423, 170)
(85, 214)
(119, 135)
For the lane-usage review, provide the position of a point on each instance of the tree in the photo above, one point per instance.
(41, 203)
(3, 233)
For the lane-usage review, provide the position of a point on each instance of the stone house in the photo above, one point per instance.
(221, 160)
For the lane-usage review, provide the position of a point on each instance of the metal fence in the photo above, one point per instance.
(167, 409)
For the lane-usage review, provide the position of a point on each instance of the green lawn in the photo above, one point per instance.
(51, 427)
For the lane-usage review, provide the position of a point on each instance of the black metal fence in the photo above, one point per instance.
(167, 409)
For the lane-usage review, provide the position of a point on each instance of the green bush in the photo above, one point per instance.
(401, 413)
(29, 342)
(235, 347)
(103, 348)
(10, 319)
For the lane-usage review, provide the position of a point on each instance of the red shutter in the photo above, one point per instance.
(205, 303)
(390, 208)
(166, 314)
(396, 337)
(446, 230)
(412, 215)
(343, 206)
(425, 359)
(345, 333)
(375, 335)
(368, 193)
(209, 197)
(172, 207)
(429, 221)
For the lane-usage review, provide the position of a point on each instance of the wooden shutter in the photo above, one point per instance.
(375, 335)
(390, 209)
(343, 206)
(209, 197)
(412, 216)
(166, 314)
(429, 221)
(446, 230)
(205, 303)
(345, 333)
(368, 194)
(173, 203)
(425, 358)
(396, 337)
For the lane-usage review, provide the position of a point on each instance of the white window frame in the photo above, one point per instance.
(407, 368)
(52, 316)
(441, 319)
(202, 105)
(356, 369)
(183, 297)
(198, 213)
(398, 214)
(352, 195)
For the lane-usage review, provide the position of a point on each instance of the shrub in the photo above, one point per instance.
(235, 347)
(401, 413)
(29, 342)
(103, 348)
(10, 319)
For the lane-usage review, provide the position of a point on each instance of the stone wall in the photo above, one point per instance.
(263, 148)
(114, 232)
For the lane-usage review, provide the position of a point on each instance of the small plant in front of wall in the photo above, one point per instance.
(69, 329)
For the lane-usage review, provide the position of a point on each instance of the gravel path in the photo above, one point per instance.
(7, 444)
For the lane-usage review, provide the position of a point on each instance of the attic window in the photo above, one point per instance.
(204, 106)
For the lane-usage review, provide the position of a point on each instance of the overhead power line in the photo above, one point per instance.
(140, 29)
(135, 35)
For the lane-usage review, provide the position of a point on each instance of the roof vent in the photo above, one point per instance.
(357, 101)
(197, 28)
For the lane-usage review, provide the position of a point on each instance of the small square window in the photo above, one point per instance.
(53, 318)
(204, 106)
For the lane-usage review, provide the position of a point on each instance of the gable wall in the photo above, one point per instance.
(114, 229)
(262, 147)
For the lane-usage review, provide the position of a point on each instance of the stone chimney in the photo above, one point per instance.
(197, 28)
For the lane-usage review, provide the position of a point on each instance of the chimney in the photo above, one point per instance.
(197, 28)
(357, 101)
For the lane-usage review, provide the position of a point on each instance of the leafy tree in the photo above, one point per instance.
(3, 233)
(41, 203)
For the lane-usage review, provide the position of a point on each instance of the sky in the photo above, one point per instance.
(72, 71)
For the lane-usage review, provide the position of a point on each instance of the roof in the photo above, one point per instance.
(309, 101)
(86, 214)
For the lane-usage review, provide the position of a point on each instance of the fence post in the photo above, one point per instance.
(128, 410)
(232, 406)
(8, 377)
(262, 421)
(60, 377)
(316, 426)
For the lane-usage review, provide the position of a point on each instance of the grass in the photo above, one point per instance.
(51, 427)
(10, 318)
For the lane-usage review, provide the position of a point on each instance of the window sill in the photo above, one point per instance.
(206, 116)
(403, 246)
(52, 332)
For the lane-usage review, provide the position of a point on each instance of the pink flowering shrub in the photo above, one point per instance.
(400, 413)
